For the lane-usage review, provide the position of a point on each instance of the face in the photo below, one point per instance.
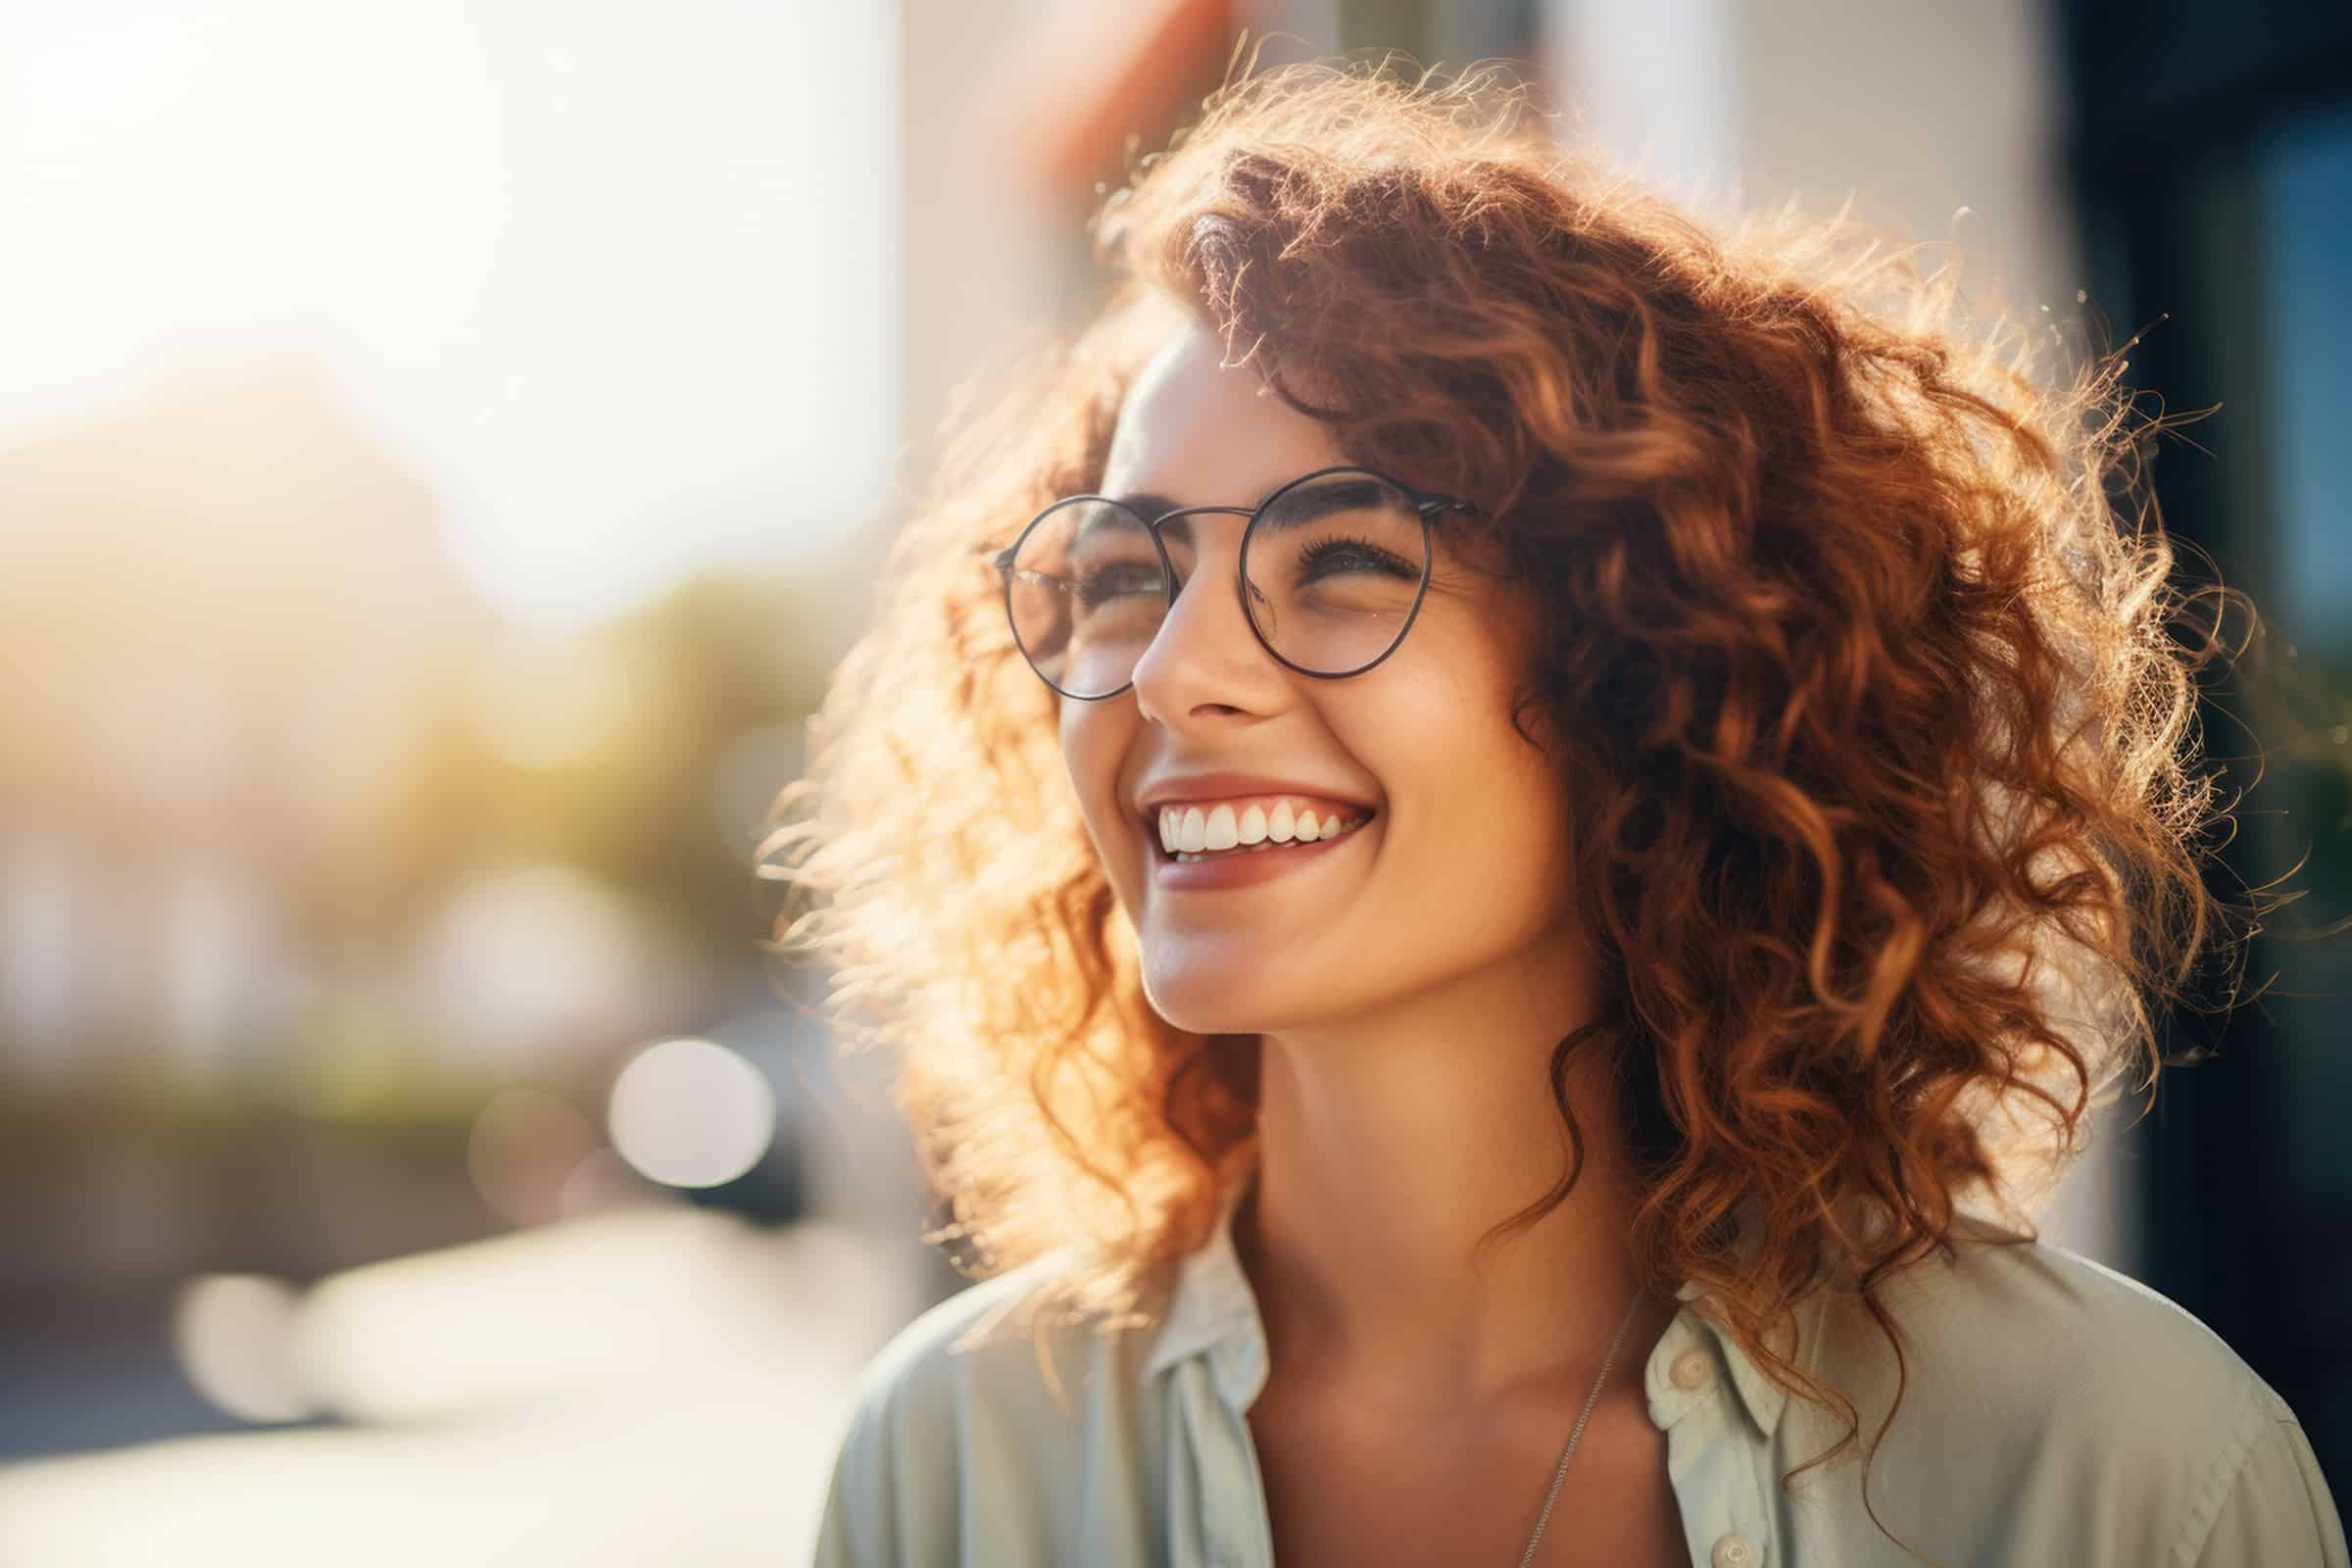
(1459, 871)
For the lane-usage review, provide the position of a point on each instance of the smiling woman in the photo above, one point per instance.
(1477, 783)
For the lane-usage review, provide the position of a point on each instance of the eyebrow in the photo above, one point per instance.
(1151, 506)
(1149, 503)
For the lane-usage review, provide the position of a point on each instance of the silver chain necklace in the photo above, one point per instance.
(1569, 1451)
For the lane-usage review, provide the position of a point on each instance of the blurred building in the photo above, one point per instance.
(228, 622)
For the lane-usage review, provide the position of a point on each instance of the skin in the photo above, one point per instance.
(1409, 988)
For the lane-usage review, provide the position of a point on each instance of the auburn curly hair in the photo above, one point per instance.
(1856, 637)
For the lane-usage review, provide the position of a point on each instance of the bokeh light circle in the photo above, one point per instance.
(234, 1335)
(691, 1113)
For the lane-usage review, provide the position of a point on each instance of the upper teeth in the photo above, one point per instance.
(1190, 829)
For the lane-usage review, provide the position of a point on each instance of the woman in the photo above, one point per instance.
(1474, 824)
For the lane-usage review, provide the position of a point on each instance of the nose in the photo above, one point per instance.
(1204, 657)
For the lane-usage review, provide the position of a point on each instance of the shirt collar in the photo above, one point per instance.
(1212, 1312)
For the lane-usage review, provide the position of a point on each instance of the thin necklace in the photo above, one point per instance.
(1569, 1451)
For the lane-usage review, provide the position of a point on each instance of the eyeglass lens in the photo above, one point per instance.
(1333, 567)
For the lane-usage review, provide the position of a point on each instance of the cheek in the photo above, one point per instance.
(1481, 810)
(1094, 743)
(1080, 728)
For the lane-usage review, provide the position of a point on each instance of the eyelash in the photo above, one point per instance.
(1324, 547)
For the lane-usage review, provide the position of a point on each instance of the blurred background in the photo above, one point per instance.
(445, 446)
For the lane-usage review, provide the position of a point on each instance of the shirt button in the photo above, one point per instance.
(1732, 1551)
(1692, 1369)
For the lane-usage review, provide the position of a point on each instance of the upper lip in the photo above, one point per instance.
(1221, 786)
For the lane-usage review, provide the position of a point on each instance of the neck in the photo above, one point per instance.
(1385, 1152)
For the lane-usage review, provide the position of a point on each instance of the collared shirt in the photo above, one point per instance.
(2056, 1413)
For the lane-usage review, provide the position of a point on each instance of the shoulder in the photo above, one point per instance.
(2052, 1336)
(2034, 1315)
(988, 1342)
(984, 1402)
(2075, 1383)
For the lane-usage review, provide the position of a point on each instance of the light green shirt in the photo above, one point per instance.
(2056, 1413)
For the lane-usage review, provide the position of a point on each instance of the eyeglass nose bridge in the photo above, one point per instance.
(1241, 589)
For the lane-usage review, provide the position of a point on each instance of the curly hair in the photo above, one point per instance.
(1856, 646)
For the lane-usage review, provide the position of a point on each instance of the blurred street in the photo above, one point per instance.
(682, 1407)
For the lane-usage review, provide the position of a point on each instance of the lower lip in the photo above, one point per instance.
(1244, 870)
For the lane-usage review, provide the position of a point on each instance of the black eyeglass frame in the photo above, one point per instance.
(1428, 505)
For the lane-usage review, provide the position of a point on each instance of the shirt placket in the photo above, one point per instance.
(1712, 1457)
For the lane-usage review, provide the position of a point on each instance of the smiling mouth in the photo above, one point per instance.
(1165, 856)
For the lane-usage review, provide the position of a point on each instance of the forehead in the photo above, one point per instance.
(1203, 432)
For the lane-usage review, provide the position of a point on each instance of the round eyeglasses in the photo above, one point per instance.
(1333, 565)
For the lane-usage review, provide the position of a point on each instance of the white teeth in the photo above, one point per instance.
(1310, 831)
(1192, 832)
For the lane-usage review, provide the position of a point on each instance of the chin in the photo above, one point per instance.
(1205, 1003)
(1231, 1000)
